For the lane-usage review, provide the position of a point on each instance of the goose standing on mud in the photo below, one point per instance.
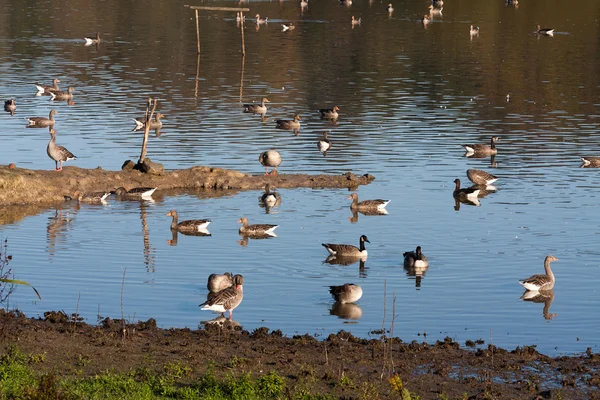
(190, 225)
(270, 158)
(542, 281)
(348, 250)
(227, 299)
(58, 153)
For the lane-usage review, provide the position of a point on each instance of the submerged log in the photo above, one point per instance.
(25, 186)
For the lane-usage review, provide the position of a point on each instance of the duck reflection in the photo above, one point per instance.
(245, 238)
(349, 311)
(354, 218)
(349, 260)
(543, 296)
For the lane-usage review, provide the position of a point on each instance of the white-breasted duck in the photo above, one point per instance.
(270, 158)
(227, 299)
(256, 229)
(190, 225)
(90, 41)
(542, 281)
(544, 31)
(58, 153)
(480, 177)
(42, 121)
(346, 293)
(218, 282)
(324, 144)
(289, 124)
(482, 149)
(347, 249)
(377, 204)
(135, 193)
(329, 113)
(257, 108)
(58, 95)
(44, 89)
(415, 259)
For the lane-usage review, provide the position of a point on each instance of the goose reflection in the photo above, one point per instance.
(543, 296)
(221, 322)
(174, 235)
(349, 311)
(418, 272)
(269, 199)
(467, 196)
(349, 260)
(354, 218)
(245, 238)
(57, 227)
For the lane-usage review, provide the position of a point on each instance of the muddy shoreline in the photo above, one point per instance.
(25, 186)
(340, 366)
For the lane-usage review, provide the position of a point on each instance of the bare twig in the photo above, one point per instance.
(147, 129)
(123, 327)
(76, 313)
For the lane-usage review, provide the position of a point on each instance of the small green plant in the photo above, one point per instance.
(37, 358)
(177, 371)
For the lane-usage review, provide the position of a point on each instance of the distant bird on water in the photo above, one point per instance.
(544, 31)
(91, 41)
(348, 250)
(542, 281)
(482, 149)
(480, 177)
(355, 22)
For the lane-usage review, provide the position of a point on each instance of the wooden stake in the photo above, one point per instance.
(197, 31)
(242, 27)
(146, 133)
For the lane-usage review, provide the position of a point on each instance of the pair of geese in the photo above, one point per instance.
(53, 91)
(199, 225)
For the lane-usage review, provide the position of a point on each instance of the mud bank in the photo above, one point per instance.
(24, 186)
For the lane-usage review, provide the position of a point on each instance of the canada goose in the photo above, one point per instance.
(480, 177)
(469, 194)
(482, 149)
(346, 293)
(544, 31)
(541, 281)
(347, 249)
(415, 259)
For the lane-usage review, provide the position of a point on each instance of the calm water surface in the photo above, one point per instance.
(409, 97)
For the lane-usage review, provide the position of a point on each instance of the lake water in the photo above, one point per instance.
(409, 97)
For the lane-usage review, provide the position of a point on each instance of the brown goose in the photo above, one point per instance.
(480, 177)
(378, 204)
(415, 259)
(590, 161)
(257, 108)
(355, 22)
(287, 124)
(42, 121)
(426, 20)
(91, 197)
(544, 31)
(191, 225)
(157, 123)
(218, 282)
(256, 229)
(58, 153)
(324, 143)
(227, 299)
(329, 113)
(269, 198)
(482, 149)
(346, 293)
(10, 106)
(541, 281)
(435, 11)
(260, 21)
(270, 158)
(42, 89)
(90, 41)
(347, 249)
(468, 194)
(58, 95)
(135, 193)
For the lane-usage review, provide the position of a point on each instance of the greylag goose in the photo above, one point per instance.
(480, 177)
(324, 143)
(415, 259)
(288, 27)
(10, 106)
(474, 31)
(329, 113)
(347, 249)
(42, 121)
(288, 124)
(43, 89)
(355, 22)
(155, 124)
(544, 31)
(256, 229)
(58, 153)
(191, 225)
(469, 194)
(58, 95)
(590, 161)
(257, 108)
(270, 158)
(218, 282)
(135, 193)
(227, 299)
(90, 41)
(482, 149)
(541, 281)
(91, 197)
(260, 21)
(377, 204)
(269, 198)
(346, 293)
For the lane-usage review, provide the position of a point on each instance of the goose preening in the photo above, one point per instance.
(91, 41)
(268, 198)
(346, 293)
(544, 31)
(288, 27)
(260, 21)
(415, 259)
(227, 299)
(218, 282)
(58, 153)
(480, 177)
(329, 113)
(347, 249)
(324, 143)
(355, 22)
(256, 229)
(289, 124)
(40, 122)
(58, 95)
(541, 281)
(135, 193)
(468, 195)
(377, 204)
(91, 197)
(190, 225)
(10, 106)
(44, 89)
(590, 162)
(474, 31)
(154, 124)
(482, 149)
(257, 108)
(270, 158)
